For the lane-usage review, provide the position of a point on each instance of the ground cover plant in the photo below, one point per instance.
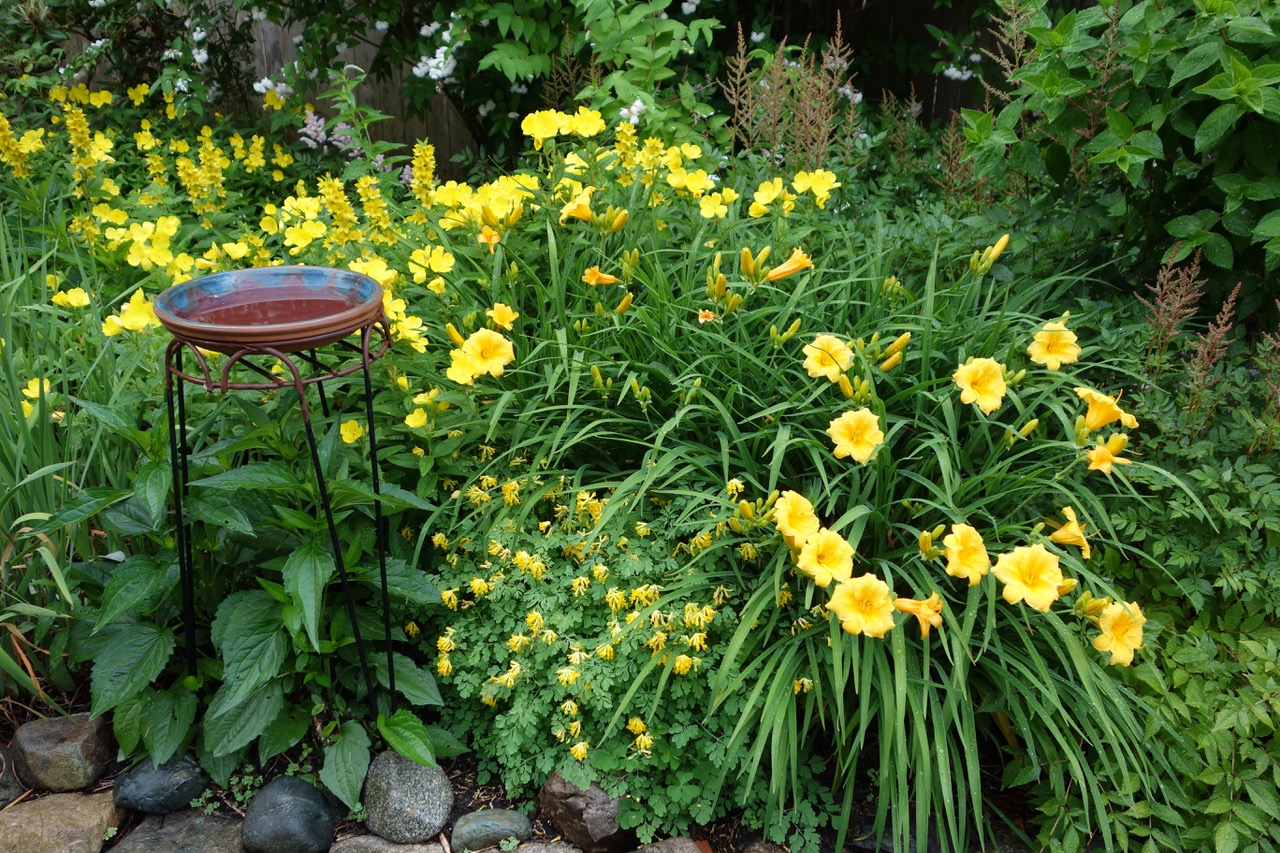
(726, 482)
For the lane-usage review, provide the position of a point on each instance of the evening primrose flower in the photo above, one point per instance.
(484, 352)
(1071, 533)
(928, 611)
(543, 125)
(826, 556)
(856, 434)
(966, 554)
(1121, 625)
(351, 431)
(1105, 455)
(863, 606)
(73, 298)
(416, 419)
(1054, 346)
(795, 519)
(981, 381)
(1103, 410)
(827, 356)
(1030, 574)
(820, 182)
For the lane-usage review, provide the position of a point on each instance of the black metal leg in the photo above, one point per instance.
(380, 533)
(178, 470)
(324, 401)
(327, 507)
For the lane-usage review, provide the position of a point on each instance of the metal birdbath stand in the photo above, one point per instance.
(281, 315)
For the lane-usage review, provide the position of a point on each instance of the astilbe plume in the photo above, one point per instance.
(1206, 354)
(1268, 359)
(1173, 302)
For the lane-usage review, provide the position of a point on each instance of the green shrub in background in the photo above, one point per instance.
(1153, 123)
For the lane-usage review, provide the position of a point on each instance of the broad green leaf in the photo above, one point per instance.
(289, 728)
(166, 720)
(306, 573)
(346, 761)
(407, 583)
(256, 475)
(131, 660)
(112, 419)
(444, 744)
(152, 486)
(250, 637)
(126, 723)
(406, 734)
(1225, 837)
(1217, 250)
(416, 684)
(84, 505)
(218, 511)
(236, 728)
(139, 582)
(1196, 60)
(1268, 227)
(1216, 125)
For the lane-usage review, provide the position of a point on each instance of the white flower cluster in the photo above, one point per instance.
(97, 4)
(438, 66)
(256, 14)
(853, 95)
(266, 84)
(485, 108)
(959, 74)
(382, 26)
(198, 35)
(757, 36)
(689, 6)
(632, 113)
(200, 55)
(428, 30)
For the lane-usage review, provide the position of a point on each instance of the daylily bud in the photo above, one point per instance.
(891, 362)
(846, 387)
(514, 216)
(791, 330)
(721, 284)
(487, 217)
(619, 221)
(746, 509)
(1029, 427)
(453, 334)
(746, 263)
(624, 304)
(899, 344)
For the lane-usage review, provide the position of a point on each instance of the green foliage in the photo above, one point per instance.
(1159, 113)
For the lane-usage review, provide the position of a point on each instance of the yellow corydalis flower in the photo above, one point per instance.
(863, 605)
(1121, 625)
(1071, 533)
(826, 556)
(827, 357)
(856, 435)
(928, 611)
(1031, 574)
(795, 519)
(1105, 455)
(1054, 346)
(981, 381)
(1103, 410)
(966, 554)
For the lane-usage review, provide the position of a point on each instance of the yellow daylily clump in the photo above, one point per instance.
(827, 356)
(966, 554)
(1121, 626)
(1054, 346)
(981, 381)
(856, 435)
(1030, 574)
(864, 605)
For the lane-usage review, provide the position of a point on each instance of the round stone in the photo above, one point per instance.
(488, 828)
(288, 816)
(404, 801)
(160, 790)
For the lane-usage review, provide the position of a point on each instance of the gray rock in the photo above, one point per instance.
(62, 753)
(374, 844)
(160, 790)
(671, 845)
(764, 847)
(59, 823)
(10, 787)
(184, 832)
(404, 801)
(587, 818)
(488, 828)
(288, 816)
